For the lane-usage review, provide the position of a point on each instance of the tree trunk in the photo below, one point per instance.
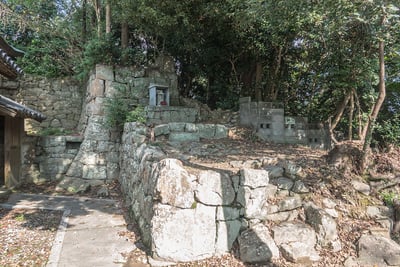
(84, 21)
(339, 114)
(357, 101)
(351, 113)
(377, 106)
(258, 81)
(108, 17)
(97, 9)
(124, 35)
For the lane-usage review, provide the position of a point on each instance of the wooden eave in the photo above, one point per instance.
(8, 67)
(11, 108)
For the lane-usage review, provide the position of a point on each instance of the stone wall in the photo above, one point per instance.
(166, 114)
(271, 124)
(97, 160)
(59, 99)
(187, 213)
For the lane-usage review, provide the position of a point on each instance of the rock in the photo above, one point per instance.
(328, 203)
(236, 163)
(361, 187)
(378, 212)
(257, 246)
(271, 190)
(254, 178)
(103, 192)
(227, 233)
(275, 172)
(290, 203)
(283, 183)
(375, 250)
(252, 164)
(300, 188)
(175, 185)
(324, 225)
(296, 242)
(332, 212)
(183, 234)
(253, 201)
(351, 262)
(183, 137)
(214, 188)
(225, 213)
(282, 216)
(73, 185)
(291, 169)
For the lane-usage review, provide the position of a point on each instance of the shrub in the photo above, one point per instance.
(120, 108)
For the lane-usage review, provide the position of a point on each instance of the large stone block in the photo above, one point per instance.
(257, 246)
(324, 225)
(227, 233)
(174, 184)
(253, 201)
(183, 137)
(104, 72)
(296, 242)
(206, 131)
(254, 178)
(182, 235)
(97, 88)
(221, 131)
(214, 188)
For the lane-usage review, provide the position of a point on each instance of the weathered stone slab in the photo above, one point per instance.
(227, 233)
(257, 246)
(283, 183)
(214, 188)
(183, 137)
(161, 129)
(361, 187)
(253, 178)
(183, 234)
(375, 250)
(274, 171)
(300, 188)
(206, 131)
(104, 72)
(296, 241)
(324, 225)
(290, 203)
(221, 131)
(253, 201)
(174, 184)
(225, 213)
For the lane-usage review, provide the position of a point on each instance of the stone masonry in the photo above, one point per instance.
(210, 208)
(271, 124)
(59, 99)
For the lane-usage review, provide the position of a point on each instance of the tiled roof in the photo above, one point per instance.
(11, 108)
(8, 67)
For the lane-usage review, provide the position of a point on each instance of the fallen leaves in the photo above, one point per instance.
(26, 236)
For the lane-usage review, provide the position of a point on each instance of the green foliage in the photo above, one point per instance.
(388, 197)
(138, 115)
(20, 217)
(121, 108)
(44, 56)
(388, 132)
(51, 131)
(107, 50)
